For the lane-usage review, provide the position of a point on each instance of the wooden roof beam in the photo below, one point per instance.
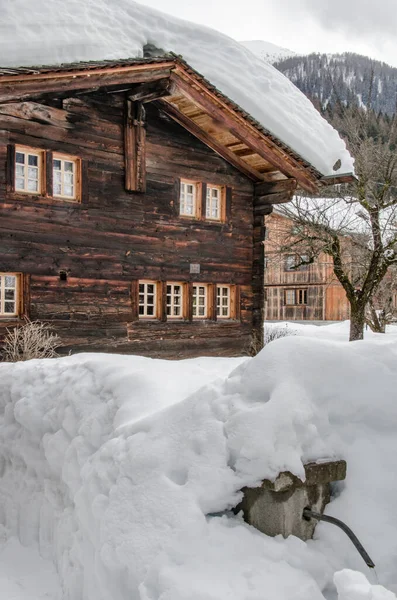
(242, 130)
(30, 86)
(146, 92)
(202, 135)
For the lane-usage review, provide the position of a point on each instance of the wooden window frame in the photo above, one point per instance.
(26, 150)
(18, 295)
(222, 202)
(297, 293)
(183, 301)
(157, 300)
(197, 187)
(77, 176)
(232, 305)
(198, 317)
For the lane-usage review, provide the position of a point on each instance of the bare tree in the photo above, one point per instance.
(357, 225)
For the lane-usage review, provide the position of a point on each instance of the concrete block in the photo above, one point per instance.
(277, 507)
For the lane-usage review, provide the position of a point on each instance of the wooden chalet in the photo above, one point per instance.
(295, 291)
(132, 203)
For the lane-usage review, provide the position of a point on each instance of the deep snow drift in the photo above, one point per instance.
(110, 466)
(57, 32)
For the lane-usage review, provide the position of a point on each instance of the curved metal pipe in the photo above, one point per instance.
(309, 514)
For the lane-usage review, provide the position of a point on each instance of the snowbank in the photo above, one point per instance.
(115, 470)
(355, 586)
(58, 32)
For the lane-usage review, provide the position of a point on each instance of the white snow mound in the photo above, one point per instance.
(115, 469)
(355, 586)
(59, 32)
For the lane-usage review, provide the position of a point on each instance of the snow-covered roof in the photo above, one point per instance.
(58, 32)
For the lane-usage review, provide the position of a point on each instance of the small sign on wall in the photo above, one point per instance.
(194, 268)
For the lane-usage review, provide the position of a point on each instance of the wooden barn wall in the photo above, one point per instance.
(326, 299)
(115, 237)
(276, 310)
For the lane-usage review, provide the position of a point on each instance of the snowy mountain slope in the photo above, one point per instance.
(59, 31)
(268, 51)
(350, 78)
(116, 474)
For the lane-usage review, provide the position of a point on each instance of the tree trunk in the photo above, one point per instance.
(357, 322)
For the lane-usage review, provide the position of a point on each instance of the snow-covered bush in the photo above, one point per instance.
(274, 332)
(31, 340)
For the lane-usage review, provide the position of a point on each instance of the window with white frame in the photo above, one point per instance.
(223, 302)
(200, 301)
(188, 199)
(147, 305)
(175, 300)
(28, 170)
(64, 172)
(9, 294)
(214, 202)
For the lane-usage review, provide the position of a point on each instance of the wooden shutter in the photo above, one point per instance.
(135, 300)
(176, 198)
(24, 297)
(188, 301)
(235, 302)
(84, 182)
(212, 302)
(203, 200)
(10, 174)
(162, 301)
(48, 174)
(228, 203)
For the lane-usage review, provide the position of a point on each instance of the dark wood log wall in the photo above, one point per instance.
(115, 237)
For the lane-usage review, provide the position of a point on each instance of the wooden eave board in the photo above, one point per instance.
(193, 88)
(219, 133)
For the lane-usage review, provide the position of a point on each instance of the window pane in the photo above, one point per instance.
(141, 288)
(20, 183)
(150, 299)
(57, 176)
(10, 281)
(9, 307)
(69, 178)
(9, 294)
(20, 170)
(57, 164)
(150, 311)
(69, 166)
(141, 310)
(57, 189)
(68, 190)
(33, 185)
(20, 158)
(33, 160)
(33, 173)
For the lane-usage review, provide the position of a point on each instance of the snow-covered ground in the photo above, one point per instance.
(336, 331)
(112, 467)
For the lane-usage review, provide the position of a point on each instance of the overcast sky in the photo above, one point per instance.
(364, 26)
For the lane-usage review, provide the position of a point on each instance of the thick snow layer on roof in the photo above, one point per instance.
(55, 31)
(115, 469)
